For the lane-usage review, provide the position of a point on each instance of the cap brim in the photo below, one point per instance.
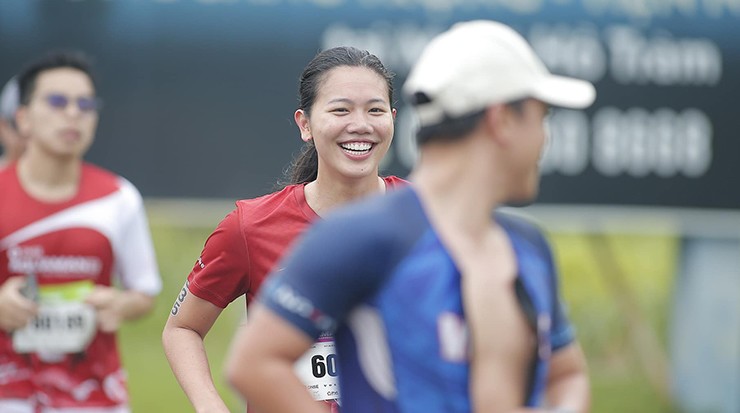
(565, 92)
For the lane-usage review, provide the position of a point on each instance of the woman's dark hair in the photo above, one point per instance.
(57, 59)
(305, 166)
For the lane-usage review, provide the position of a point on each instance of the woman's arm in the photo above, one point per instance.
(182, 339)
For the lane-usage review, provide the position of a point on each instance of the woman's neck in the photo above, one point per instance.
(325, 194)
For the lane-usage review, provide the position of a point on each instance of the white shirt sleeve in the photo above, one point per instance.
(135, 262)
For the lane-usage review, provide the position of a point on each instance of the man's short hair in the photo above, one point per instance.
(53, 60)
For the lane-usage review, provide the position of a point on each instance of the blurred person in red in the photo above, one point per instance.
(76, 257)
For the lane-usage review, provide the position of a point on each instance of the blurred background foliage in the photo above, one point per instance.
(152, 385)
(622, 328)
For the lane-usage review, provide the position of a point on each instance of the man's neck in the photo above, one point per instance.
(49, 178)
(458, 190)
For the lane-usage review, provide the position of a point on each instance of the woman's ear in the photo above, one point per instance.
(301, 119)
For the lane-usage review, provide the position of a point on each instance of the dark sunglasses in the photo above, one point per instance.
(84, 104)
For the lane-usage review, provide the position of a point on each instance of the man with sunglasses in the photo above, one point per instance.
(71, 234)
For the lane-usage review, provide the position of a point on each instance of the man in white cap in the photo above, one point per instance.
(11, 142)
(438, 305)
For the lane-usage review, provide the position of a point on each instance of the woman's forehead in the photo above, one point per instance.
(352, 82)
(346, 74)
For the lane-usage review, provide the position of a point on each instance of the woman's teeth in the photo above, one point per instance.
(357, 147)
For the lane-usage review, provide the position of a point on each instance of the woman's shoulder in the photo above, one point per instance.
(393, 181)
(283, 201)
(266, 199)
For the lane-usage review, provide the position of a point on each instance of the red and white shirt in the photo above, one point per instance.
(101, 235)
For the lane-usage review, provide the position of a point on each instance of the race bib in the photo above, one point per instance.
(317, 369)
(64, 323)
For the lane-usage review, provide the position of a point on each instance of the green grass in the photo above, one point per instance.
(152, 385)
(648, 263)
(619, 381)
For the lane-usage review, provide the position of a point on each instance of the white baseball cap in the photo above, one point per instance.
(479, 63)
(9, 99)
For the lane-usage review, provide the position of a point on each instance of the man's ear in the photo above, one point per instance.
(301, 119)
(497, 120)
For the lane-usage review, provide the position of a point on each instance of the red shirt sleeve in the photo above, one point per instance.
(221, 273)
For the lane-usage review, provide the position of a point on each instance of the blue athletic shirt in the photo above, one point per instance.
(377, 275)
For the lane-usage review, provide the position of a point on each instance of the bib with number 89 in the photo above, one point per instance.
(64, 323)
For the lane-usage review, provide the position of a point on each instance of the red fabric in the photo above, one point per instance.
(59, 252)
(245, 246)
(248, 242)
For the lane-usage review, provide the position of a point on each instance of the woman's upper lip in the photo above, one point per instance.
(358, 141)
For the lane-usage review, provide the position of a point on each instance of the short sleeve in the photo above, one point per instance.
(561, 332)
(332, 268)
(135, 259)
(220, 275)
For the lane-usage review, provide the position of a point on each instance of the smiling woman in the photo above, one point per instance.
(346, 119)
(351, 125)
